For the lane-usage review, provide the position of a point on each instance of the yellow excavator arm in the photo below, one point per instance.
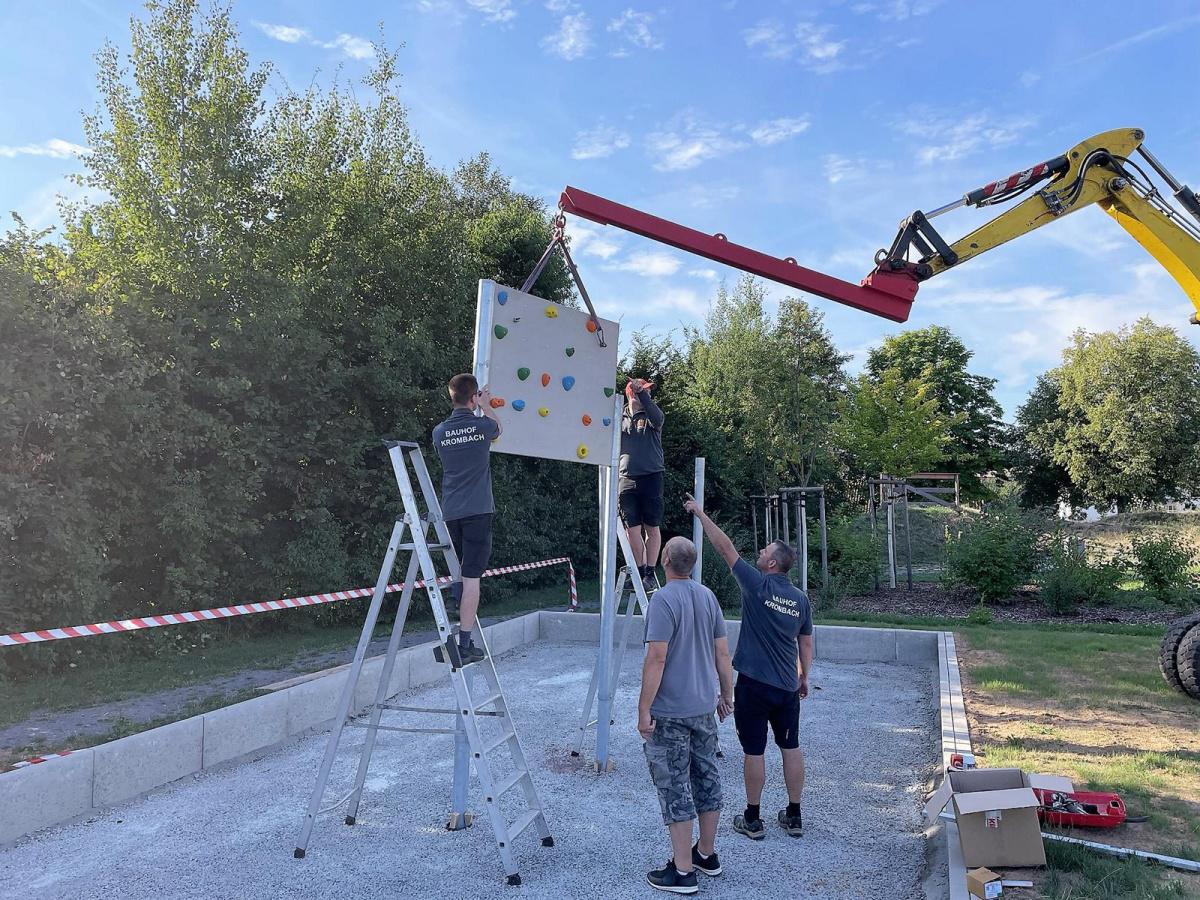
(1098, 170)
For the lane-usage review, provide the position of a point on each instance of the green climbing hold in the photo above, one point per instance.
(570, 351)
(500, 331)
(522, 373)
(608, 392)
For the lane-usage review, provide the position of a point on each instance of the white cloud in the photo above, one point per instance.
(55, 148)
(591, 241)
(573, 38)
(776, 130)
(494, 10)
(810, 41)
(705, 274)
(843, 168)
(771, 38)
(349, 44)
(599, 142)
(896, 10)
(950, 139)
(651, 264)
(635, 28)
(287, 33)
(687, 142)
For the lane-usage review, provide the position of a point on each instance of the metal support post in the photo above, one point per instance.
(783, 515)
(609, 599)
(754, 522)
(459, 817)
(803, 527)
(907, 541)
(824, 544)
(891, 541)
(697, 529)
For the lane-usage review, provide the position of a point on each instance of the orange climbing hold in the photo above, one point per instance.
(545, 379)
(591, 325)
(587, 420)
(496, 402)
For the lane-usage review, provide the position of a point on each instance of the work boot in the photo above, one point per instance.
(668, 878)
(751, 828)
(793, 825)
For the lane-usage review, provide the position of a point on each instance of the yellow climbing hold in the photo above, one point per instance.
(543, 412)
(551, 312)
(581, 451)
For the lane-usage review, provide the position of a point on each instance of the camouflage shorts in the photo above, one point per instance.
(682, 755)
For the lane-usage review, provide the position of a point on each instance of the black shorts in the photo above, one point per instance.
(755, 704)
(472, 538)
(642, 501)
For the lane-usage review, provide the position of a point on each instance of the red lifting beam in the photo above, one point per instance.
(884, 294)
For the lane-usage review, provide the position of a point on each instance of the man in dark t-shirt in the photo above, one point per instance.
(773, 662)
(640, 486)
(464, 444)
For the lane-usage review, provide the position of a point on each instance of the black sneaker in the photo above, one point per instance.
(793, 825)
(753, 829)
(650, 583)
(457, 655)
(471, 654)
(668, 879)
(710, 866)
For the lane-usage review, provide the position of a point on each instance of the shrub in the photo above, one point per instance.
(851, 554)
(994, 554)
(1069, 579)
(1162, 562)
(980, 615)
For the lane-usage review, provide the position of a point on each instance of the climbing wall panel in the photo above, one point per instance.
(552, 382)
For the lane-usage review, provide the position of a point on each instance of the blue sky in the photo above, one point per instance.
(806, 129)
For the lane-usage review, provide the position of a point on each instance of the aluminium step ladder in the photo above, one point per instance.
(473, 706)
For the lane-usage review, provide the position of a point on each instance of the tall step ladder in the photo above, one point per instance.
(632, 592)
(475, 705)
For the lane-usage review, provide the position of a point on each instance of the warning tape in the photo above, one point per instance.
(244, 609)
(33, 761)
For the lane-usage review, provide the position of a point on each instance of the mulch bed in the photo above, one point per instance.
(937, 600)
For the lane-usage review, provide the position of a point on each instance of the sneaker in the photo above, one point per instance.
(793, 825)
(650, 583)
(753, 829)
(471, 654)
(710, 866)
(459, 656)
(668, 879)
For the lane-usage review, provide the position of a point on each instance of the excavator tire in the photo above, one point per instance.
(1168, 650)
(1188, 658)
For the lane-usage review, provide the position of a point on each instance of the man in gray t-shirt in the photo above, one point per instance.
(686, 677)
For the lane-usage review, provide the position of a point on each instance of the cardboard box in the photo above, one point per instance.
(984, 884)
(996, 814)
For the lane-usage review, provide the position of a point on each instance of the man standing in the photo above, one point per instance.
(640, 489)
(773, 662)
(464, 444)
(687, 662)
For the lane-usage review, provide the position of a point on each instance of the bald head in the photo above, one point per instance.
(678, 557)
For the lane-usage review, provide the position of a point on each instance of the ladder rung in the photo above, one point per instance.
(398, 707)
(509, 783)
(397, 728)
(518, 827)
(413, 546)
(496, 742)
(488, 700)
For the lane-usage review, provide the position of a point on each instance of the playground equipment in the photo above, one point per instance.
(886, 494)
(784, 515)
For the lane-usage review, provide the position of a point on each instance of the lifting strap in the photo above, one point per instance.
(559, 241)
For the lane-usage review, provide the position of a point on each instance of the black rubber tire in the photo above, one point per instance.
(1168, 650)
(1188, 658)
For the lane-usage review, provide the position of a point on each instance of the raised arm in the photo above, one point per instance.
(485, 407)
(653, 412)
(719, 539)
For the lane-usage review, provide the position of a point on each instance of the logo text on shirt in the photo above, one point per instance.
(783, 605)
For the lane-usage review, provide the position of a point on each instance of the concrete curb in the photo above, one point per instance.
(955, 738)
(68, 787)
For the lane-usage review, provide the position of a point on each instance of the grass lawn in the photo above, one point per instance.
(1089, 703)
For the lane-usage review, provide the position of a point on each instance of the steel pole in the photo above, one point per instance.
(824, 543)
(697, 528)
(608, 602)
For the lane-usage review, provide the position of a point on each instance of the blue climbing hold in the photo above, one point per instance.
(568, 382)
(502, 297)
(607, 419)
(518, 405)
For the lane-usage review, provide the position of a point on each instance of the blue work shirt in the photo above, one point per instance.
(774, 614)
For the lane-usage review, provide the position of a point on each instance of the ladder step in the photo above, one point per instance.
(498, 741)
(509, 783)
(518, 827)
(488, 701)
(427, 546)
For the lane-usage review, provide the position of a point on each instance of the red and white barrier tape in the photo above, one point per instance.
(225, 612)
(33, 761)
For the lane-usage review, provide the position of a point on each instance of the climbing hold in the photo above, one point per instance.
(591, 325)
(545, 379)
(570, 351)
(522, 373)
(587, 420)
(551, 312)
(496, 402)
(581, 451)
(500, 331)
(502, 297)
(518, 405)
(608, 392)
(568, 382)
(543, 412)
(607, 420)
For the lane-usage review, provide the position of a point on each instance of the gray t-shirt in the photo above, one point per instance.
(464, 444)
(774, 614)
(687, 616)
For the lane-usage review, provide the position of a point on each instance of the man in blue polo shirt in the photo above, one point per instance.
(773, 662)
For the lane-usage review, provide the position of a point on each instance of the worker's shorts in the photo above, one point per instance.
(755, 705)
(472, 538)
(642, 503)
(682, 754)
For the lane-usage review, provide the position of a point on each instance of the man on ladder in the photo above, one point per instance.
(640, 492)
(464, 443)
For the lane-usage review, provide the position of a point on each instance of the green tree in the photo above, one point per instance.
(1127, 430)
(938, 357)
(891, 425)
(1039, 427)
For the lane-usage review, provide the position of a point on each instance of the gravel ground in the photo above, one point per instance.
(869, 733)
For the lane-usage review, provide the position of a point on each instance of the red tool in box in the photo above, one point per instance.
(1081, 809)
